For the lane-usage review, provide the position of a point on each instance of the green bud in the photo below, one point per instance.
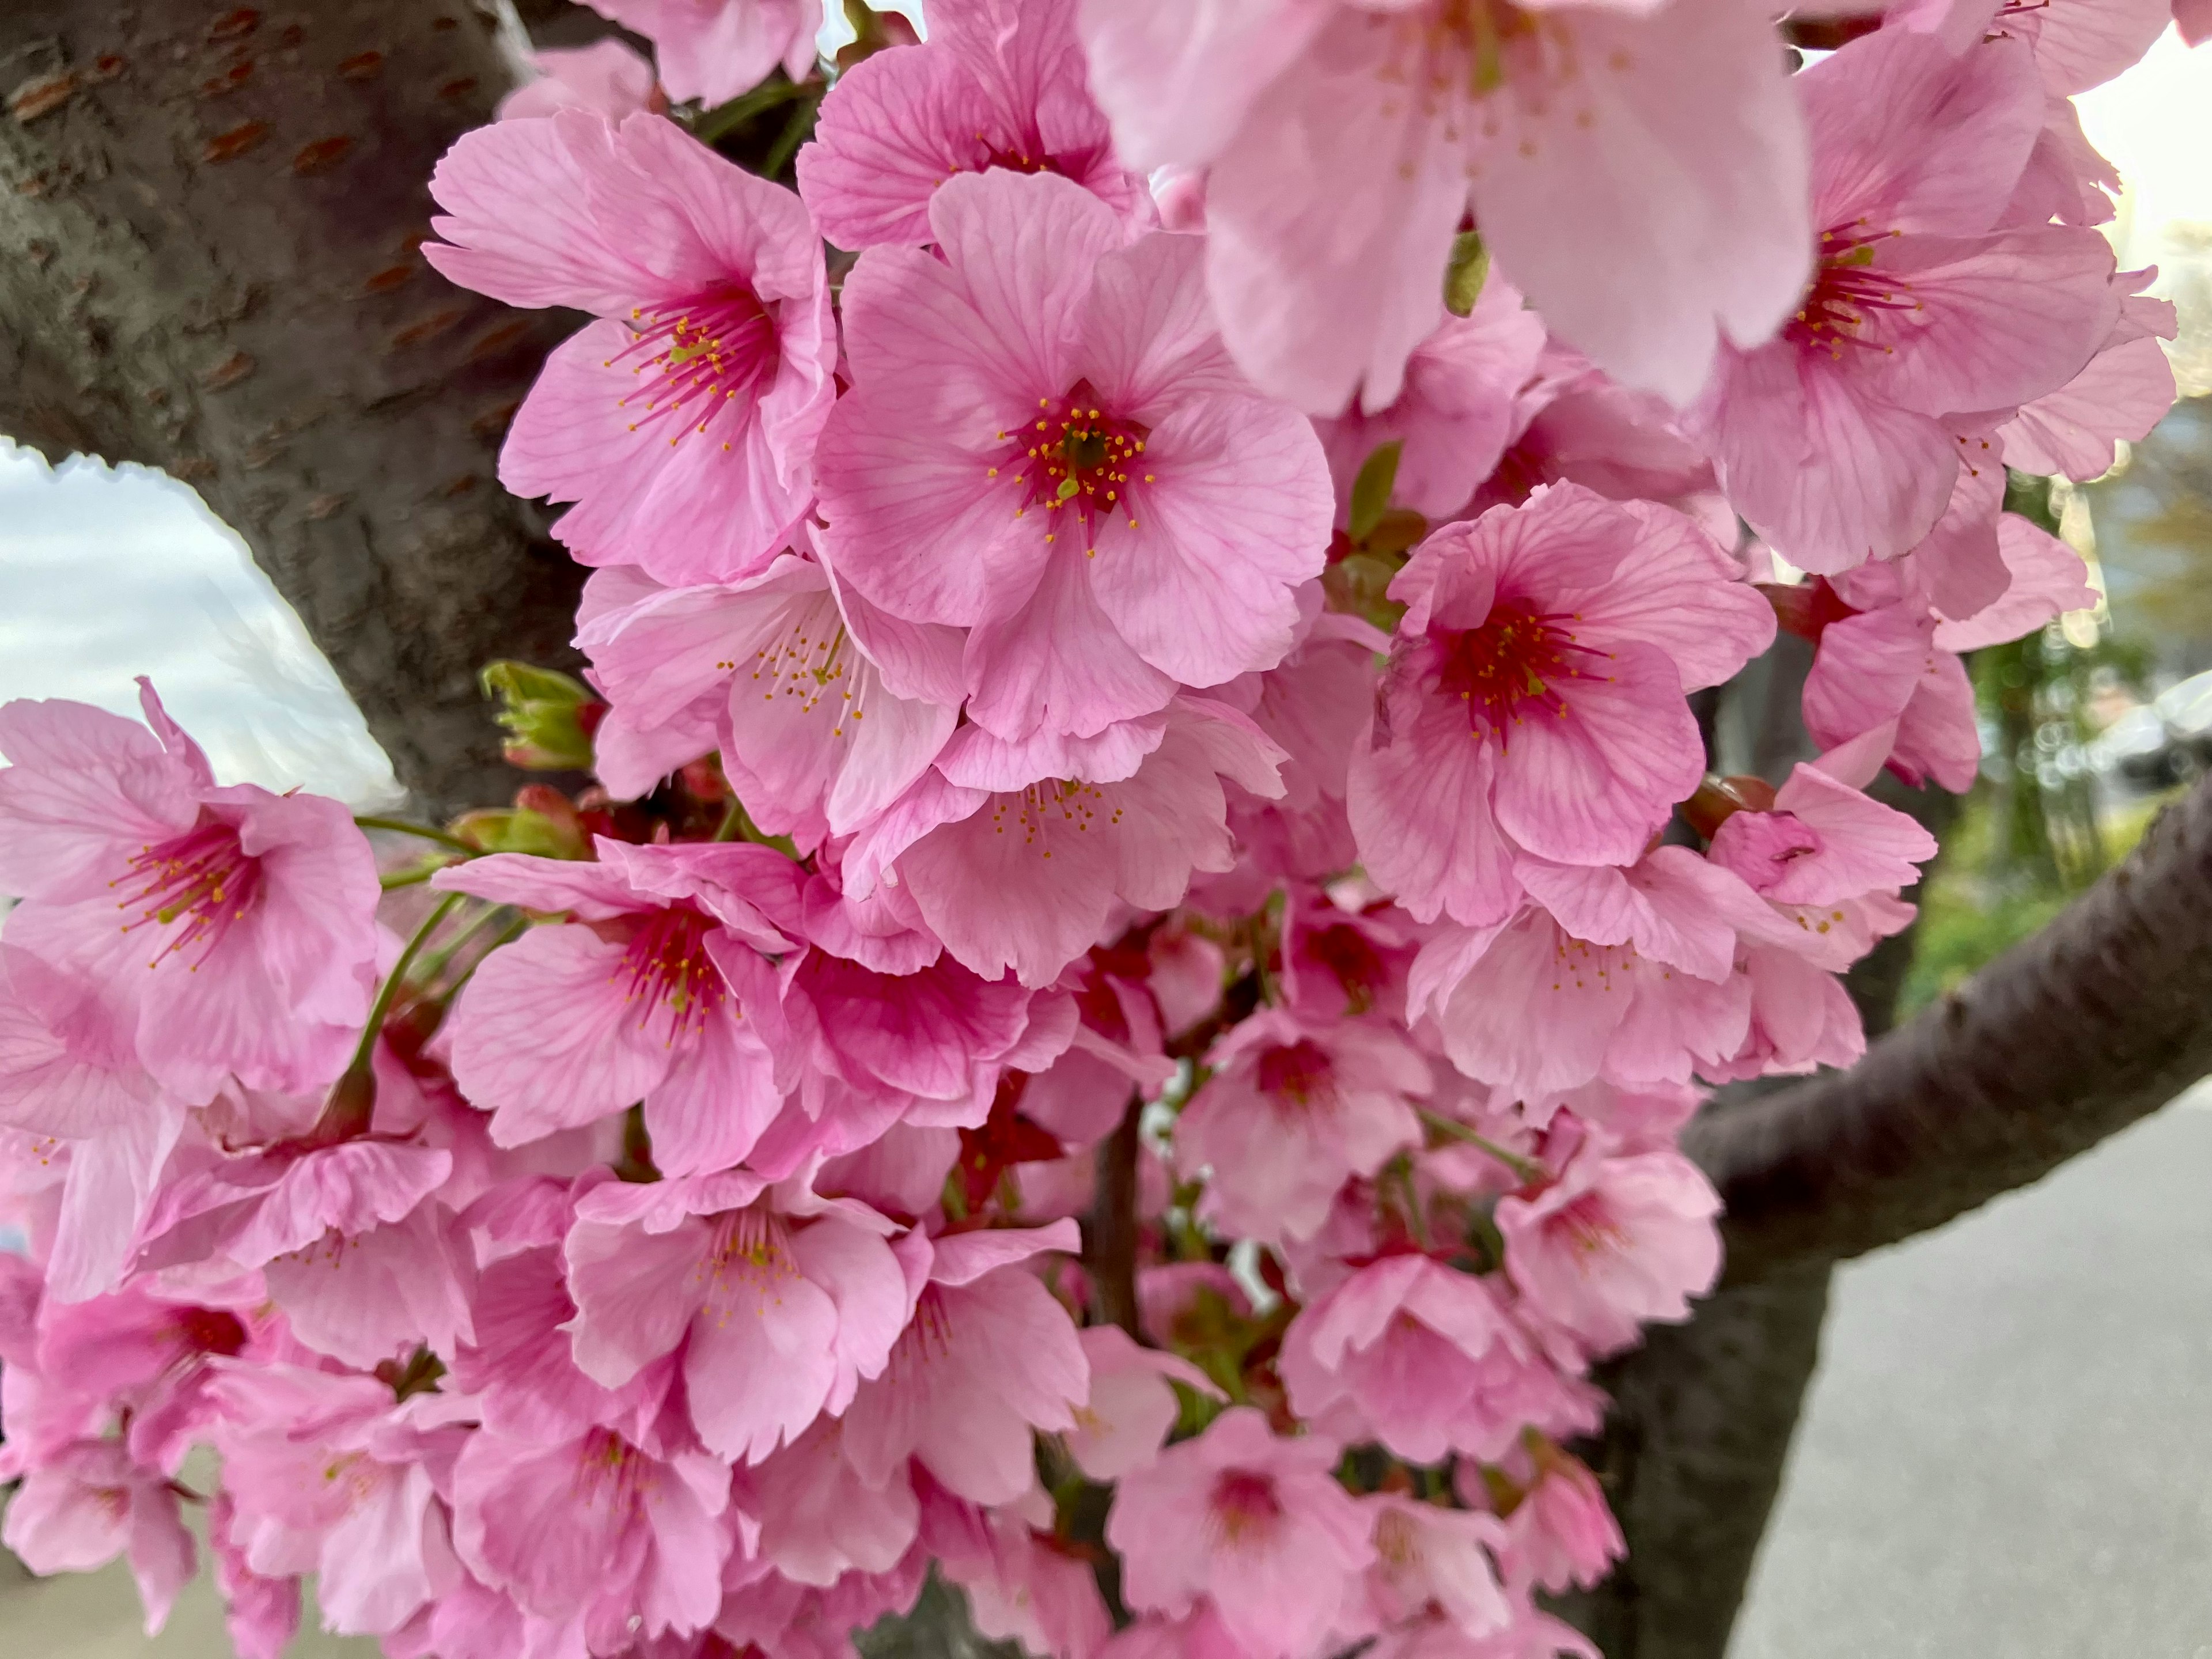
(1465, 274)
(547, 716)
(1371, 491)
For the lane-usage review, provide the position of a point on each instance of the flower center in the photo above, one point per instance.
(812, 661)
(1244, 1504)
(1589, 1229)
(667, 966)
(1846, 289)
(1077, 455)
(203, 879)
(1299, 1072)
(751, 1245)
(610, 1470)
(1511, 666)
(695, 358)
(1037, 809)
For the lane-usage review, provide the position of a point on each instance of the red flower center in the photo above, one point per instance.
(1512, 666)
(1244, 1504)
(1079, 461)
(1589, 1228)
(203, 879)
(666, 964)
(695, 358)
(1846, 288)
(1299, 1072)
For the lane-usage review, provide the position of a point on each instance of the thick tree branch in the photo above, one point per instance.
(2098, 1020)
(212, 213)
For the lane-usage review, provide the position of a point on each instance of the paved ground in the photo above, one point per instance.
(2006, 1455)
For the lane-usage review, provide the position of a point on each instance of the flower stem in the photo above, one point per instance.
(1527, 1168)
(389, 990)
(401, 827)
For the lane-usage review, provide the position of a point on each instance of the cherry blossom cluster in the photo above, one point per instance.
(1115, 1022)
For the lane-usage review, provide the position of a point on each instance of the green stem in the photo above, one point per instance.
(390, 989)
(415, 877)
(734, 824)
(401, 827)
(726, 118)
(435, 964)
(795, 132)
(1527, 1168)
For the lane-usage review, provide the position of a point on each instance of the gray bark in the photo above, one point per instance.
(210, 214)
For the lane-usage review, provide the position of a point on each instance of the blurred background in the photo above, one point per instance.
(2001, 1454)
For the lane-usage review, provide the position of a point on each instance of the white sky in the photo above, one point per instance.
(107, 574)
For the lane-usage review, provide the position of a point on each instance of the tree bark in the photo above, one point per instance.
(2097, 1021)
(212, 213)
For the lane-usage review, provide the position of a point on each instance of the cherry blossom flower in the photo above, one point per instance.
(183, 910)
(681, 423)
(607, 78)
(1251, 1522)
(657, 991)
(91, 1504)
(1832, 439)
(1423, 1357)
(767, 672)
(987, 1356)
(1562, 1532)
(716, 49)
(1535, 697)
(782, 1303)
(997, 85)
(595, 1529)
(1624, 974)
(1429, 1557)
(1015, 853)
(1345, 142)
(1292, 1112)
(1615, 1243)
(1045, 445)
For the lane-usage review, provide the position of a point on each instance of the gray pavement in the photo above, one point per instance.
(2005, 1454)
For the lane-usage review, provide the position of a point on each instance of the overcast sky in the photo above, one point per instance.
(108, 575)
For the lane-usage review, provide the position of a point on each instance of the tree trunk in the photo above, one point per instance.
(211, 215)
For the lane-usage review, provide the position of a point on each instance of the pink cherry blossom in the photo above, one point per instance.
(1615, 1243)
(768, 671)
(1822, 841)
(605, 78)
(1562, 1532)
(1423, 1357)
(1346, 143)
(327, 1476)
(1045, 445)
(1881, 668)
(2193, 18)
(233, 902)
(1535, 697)
(1832, 439)
(779, 1303)
(69, 1066)
(713, 50)
(595, 1529)
(681, 424)
(261, 1615)
(1016, 855)
(1000, 84)
(988, 1356)
(1290, 1113)
(657, 991)
(91, 1504)
(1428, 1557)
(1251, 1522)
(1624, 974)
(821, 1520)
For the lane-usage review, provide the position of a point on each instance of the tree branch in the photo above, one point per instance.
(212, 213)
(2097, 1021)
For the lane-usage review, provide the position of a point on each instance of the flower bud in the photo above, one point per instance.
(548, 716)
